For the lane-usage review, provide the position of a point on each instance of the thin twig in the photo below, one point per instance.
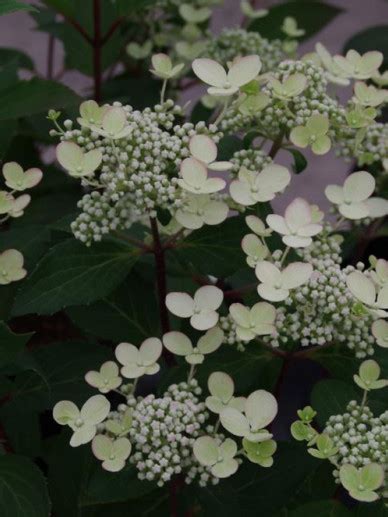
(112, 29)
(97, 46)
(160, 275)
(276, 146)
(50, 56)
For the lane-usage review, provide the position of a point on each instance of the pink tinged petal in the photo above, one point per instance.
(234, 422)
(204, 320)
(296, 274)
(261, 408)
(208, 297)
(377, 207)
(193, 172)
(335, 194)
(278, 224)
(354, 210)
(382, 297)
(33, 177)
(310, 230)
(297, 214)
(215, 212)
(177, 343)
(221, 385)
(150, 350)
(361, 287)
(295, 241)
(244, 70)
(83, 435)
(241, 193)
(180, 304)
(210, 72)
(359, 186)
(272, 294)
(274, 178)
(240, 314)
(127, 354)
(95, 410)
(267, 272)
(203, 148)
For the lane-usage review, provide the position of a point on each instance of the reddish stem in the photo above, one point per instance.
(115, 25)
(50, 57)
(160, 275)
(97, 46)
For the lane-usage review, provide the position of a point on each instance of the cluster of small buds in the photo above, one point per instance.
(320, 311)
(232, 43)
(230, 336)
(252, 159)
(163, 432)
(360, 437)
(312, 101)
(372, 148)
(139, 171)
(99, 217)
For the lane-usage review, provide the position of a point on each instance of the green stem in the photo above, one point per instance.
(163, 92)
(191, 373)
(222, 113)
(364, 397)
(285, 253)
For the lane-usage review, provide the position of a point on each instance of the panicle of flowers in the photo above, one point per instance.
(355, 442)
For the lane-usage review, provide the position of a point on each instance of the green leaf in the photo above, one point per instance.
(128, 314)
(72, 274)
(31, 240)
(11, 6)
(128, 7)
(35, 96)
(78, 51)
(23, 488)
(79, 486)
(311, 18)
(330, 397)
(13, 54)
(215, 250)
(8, 130)
(300, 162)
(377, 509)
(321, 509)
(11, 344)
(62, 368)
(138, 92)
(239, 495)
(67, 7)
(373, 38)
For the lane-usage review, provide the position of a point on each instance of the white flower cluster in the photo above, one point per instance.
(252, 159)
(232, 43)
(163, 432)
(278, 114)
(373, 148)
(100, 216)
(360, 437)
(320, 311)
(139, 165)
